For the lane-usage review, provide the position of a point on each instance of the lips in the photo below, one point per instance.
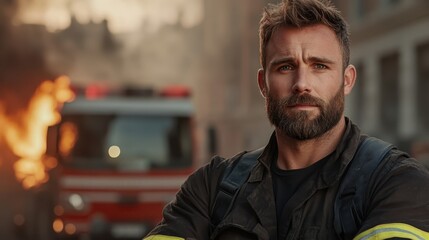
(303, 106)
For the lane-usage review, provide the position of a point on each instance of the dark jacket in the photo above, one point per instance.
(398, 197)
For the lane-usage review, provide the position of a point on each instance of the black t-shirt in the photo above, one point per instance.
(287, 182)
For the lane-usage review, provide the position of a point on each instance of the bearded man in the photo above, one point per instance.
(291, 190)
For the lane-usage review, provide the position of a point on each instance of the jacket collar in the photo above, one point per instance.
(331, 171)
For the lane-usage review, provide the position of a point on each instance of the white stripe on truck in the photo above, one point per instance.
(123, 183)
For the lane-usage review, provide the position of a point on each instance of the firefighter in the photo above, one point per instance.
(291, 191)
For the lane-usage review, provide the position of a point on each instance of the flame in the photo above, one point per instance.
(26, 132)
(68, 132)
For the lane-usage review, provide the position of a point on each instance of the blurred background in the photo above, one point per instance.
(52, 51)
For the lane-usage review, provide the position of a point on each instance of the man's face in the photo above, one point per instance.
(304, 82)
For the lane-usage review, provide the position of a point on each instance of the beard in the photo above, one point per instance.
(299, 124)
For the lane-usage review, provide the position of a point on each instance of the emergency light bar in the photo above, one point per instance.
(97, 91)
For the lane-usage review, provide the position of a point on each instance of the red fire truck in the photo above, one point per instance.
(121, 160)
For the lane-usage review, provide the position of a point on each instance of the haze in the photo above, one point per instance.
(124, 16)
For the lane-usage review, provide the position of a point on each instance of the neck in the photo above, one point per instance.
(296, 154)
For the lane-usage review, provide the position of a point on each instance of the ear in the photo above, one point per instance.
(261, 82)
(349, 79)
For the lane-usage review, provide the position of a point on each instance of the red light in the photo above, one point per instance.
(95, 91)
(175, 91)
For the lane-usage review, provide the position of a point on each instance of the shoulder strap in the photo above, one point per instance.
(348, 208)
(234, 177)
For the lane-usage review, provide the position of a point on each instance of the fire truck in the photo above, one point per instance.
(121, 159)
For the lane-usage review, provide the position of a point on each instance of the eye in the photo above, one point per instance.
(320, 66)
(286, 67)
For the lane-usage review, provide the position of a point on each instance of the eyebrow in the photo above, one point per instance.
(289, 59)
(319, 59)
(282, 60)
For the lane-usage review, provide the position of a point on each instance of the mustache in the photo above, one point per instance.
(306, 99)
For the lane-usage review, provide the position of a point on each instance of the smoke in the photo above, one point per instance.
(124, 16)
(22, 66)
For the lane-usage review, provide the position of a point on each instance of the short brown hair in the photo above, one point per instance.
(301, 13)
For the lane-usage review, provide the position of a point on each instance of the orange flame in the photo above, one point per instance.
(68, 132)
(26, 133)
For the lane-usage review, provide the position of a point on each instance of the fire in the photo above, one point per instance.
(68, 132)
(26, 132)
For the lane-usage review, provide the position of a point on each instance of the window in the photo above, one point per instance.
(423, 85)
(389, 92)
(125, 142)
(366, 7)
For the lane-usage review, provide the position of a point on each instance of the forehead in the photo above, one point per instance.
(314, 40)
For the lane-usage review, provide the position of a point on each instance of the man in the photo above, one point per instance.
(290, 191)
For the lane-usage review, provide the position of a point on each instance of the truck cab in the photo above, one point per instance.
(121, 159)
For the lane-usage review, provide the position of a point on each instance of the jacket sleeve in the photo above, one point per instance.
(398, 201)
(188, 216)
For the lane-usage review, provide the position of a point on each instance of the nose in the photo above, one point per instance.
(301, 83)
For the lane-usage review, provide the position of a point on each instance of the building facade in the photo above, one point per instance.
(390, 48)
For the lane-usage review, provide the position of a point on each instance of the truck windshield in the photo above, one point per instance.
(125, 142)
